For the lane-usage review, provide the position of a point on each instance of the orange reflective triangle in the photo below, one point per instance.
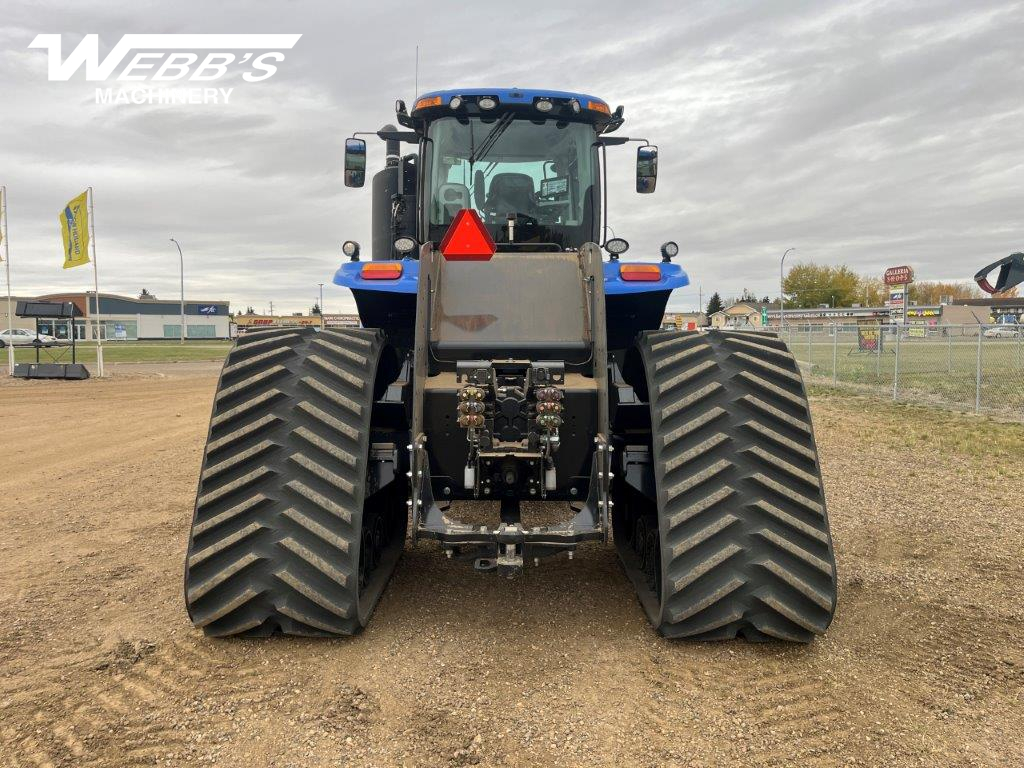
(467, 239)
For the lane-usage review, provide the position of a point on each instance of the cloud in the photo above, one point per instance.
(867, 133)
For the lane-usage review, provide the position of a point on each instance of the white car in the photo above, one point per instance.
(1002, 332)
(20, 337)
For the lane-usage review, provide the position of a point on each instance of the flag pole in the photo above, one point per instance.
(7, 266)
(96, 286)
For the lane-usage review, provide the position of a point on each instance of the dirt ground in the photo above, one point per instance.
(99, 665)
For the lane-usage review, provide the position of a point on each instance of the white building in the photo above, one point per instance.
(128, 319)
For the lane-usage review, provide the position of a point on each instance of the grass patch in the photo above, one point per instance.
(933, 432)
(933, 370)
(129, 352)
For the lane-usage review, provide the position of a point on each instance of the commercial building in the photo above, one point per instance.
(122, 318)
(248, 322)
(962, 312)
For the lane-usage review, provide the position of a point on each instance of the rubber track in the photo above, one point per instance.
(275, 538)
(745, 542)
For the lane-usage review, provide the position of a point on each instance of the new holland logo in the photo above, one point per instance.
(167, 59)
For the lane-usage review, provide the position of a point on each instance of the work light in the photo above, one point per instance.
(351, 249)
(616, 246)
(405, 244)
(487, 103)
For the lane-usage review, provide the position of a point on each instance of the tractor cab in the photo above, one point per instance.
(528, 162)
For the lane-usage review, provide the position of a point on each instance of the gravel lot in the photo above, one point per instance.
(99, 665)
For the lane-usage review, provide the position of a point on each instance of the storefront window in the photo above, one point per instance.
(202, 331)
(120, 330)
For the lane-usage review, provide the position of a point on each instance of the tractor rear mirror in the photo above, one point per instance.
(355, 162)
(646, 169)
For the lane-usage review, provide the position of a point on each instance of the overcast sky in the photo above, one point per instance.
(871, 134)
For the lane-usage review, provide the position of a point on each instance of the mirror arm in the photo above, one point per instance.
(409, 137)
(615, 141)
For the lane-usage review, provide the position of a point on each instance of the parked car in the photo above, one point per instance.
(20, 337)
(1002, 332)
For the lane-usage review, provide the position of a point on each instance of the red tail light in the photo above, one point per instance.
(381, 270)
(640, 273)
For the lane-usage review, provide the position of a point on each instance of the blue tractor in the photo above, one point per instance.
(510, 396)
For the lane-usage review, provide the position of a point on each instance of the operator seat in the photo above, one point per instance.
(511, 193)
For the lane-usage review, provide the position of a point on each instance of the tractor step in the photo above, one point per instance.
(284, 538)
(737, 541)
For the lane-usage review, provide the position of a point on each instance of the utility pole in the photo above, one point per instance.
(182, 259)
(271, 309)
(7, 265)
(782, 294)
(321, 305)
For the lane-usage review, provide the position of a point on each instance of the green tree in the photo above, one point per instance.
(715, 304)
(315, 310)
(808, 285)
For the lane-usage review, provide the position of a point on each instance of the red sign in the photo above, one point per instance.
(899, 275)
(467, 239)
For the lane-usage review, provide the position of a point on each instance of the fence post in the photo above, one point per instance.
(896, 366)
(949, 350)
(835, 353)
(977, 379)
(809, 363)
(878, 355)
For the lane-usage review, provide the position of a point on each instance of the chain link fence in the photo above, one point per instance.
(972, 367)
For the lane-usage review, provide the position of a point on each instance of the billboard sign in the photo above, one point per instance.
(896, 303)
(341, 321)
(869, 339)
(899, 275)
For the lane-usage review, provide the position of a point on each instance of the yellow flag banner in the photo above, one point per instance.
(74, 227)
